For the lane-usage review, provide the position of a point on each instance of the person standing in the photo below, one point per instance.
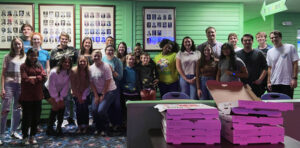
(33, 77)
(186, 60)
(233, 39)
(211, 40)
(261, 38)
(27, 30)
(11, 86)
(282, 60)
(256, 65)
(56, 54)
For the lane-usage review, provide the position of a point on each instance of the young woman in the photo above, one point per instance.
(11, 86)
(58, 87)
(166, 64)
(186, 60)
(206, 69)
(33, 78)
(44, 57)
(122, 52)
(87, 49)
(80, 89)
(104, 90)
(117, 72)
(230, 67)
(138, 50)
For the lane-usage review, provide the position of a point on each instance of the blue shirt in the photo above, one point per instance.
(43, 57)
(129, 80)
(26, 45)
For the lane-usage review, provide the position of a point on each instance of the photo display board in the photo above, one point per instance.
(54, 19)
(12, 17)
(158, 24)
(98, 23)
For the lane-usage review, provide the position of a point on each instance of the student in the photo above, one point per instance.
(261, 38)
(79, 78)
(27, 30)
(122, 52)
(104, 90)
(115, 113)
(86, 49)
(282, 62)
(186, 60)
(58, 87)
(256, 65)
(148, 78)
(212, 41)
(56, 54)
(206, 69)
(230, 67)
(33, 78)
(166, 64)
(138, 50)
(44, 57)
(129, 89)
(233, 39)
(11, 86)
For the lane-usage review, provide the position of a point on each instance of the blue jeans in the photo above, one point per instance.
(100, 110)
(70, 107)
(13, 91)
(205, 93)
(189, 89)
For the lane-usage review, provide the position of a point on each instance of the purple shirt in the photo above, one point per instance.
(58, 84)
(98, 76)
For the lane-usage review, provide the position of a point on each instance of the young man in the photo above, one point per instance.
(261, 38)
(283, 66)
(27, 30)
(211, 39)
(256, 65)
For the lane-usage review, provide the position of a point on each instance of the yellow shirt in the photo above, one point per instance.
(166, 65)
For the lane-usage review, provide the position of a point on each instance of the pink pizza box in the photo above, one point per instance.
(188, 116)
(202, 111)
(199, 124)
(255, 112)
(258, 131)
(190, 131)
(179, 139)
(239, 126)
(244, 140)
(252, 119)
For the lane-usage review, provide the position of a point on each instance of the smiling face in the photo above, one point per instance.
(226, 51)
(66, 64)
(211, 34)
(121, 49)
(27, 31)
(18, 45)
(166, 49)
(36, 41)
(64, 41)
(97, 57)
(109, 51)
(109, 41)
(82, 62)
(130, 60)
(187, 43)
(261, 39)
(276, 40)
(87, 44)
(207, 51)
(233, 40)
(33, 57)
(145, 59)
(247, 42)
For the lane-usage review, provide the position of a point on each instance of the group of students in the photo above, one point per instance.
(106, 80)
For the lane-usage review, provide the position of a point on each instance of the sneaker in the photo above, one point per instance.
(33, 140)
(26, 141)
(1, 143)
(16, 135)
(71, 121)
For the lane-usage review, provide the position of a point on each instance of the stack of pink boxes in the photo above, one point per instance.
(245, 122)
(190, 123)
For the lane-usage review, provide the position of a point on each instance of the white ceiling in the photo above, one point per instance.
(252, 7)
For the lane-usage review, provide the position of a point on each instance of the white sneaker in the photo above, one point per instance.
(16, 135)
(33, 140)
(1, 143)
(26, 141)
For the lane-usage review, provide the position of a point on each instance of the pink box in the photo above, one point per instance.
(258, 131)
(197, 124)
(192, 139)
(239, 126)
(204, 111)
(191, 132)
(187, 116)
(253, 139)
(252, 119)
(245, 111)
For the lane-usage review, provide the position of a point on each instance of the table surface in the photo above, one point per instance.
(158, 141)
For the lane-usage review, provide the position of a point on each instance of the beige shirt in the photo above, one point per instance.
(188, 61)
(12, 65)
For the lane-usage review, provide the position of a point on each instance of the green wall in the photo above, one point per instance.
(289, 33)
(256, 25)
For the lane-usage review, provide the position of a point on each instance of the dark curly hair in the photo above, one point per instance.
(175, 46)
